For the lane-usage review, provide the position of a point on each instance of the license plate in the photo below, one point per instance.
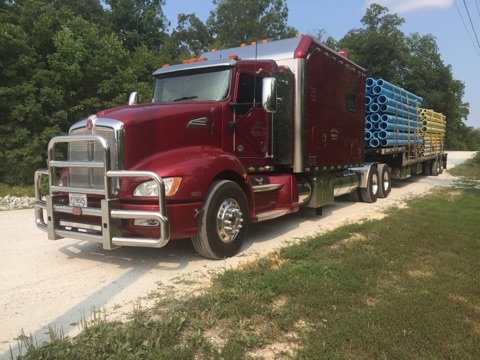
(78, 200)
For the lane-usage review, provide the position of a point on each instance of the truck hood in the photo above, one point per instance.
(132, 115)
(151, 129)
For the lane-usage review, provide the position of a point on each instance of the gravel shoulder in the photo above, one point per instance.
(60, 283)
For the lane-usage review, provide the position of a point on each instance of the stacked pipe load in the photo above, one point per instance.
(393, 116)
(433, 131)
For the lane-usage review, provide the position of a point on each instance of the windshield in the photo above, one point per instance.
(195, 86)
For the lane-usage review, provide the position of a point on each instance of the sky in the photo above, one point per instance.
(454, 23)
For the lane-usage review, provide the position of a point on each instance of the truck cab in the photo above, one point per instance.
(140, 175)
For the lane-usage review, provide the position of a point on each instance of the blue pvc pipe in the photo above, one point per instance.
(370, 125)
(374, 142)
(378, 90)
(370, 82)
(395, 135)
(373, 108)
(401, 120)
(384, 125)
(368, 135)
(375, 118)
(387, 109)
(382, 99)
(396, 89)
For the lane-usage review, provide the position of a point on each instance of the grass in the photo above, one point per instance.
(16, 190)
(404, 287)
(470, 169)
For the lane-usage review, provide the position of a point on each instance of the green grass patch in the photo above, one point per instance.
(16, 190)
(404, 287)
(470, 169)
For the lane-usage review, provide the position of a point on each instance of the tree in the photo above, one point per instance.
(92, 70)
(243, 21)
(55, 68)
(427, 74)
(139, 22)
(380, 46)
(191, 36)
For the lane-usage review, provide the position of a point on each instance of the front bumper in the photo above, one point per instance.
(98, 224)
(105, 220)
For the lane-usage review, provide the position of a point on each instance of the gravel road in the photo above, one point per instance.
(58, 283)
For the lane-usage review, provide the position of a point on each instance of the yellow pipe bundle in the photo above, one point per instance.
(429, 114)
(433, 131)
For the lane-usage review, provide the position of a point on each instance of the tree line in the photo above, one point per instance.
(61, 61)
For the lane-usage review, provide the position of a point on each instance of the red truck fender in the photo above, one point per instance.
(198, 166)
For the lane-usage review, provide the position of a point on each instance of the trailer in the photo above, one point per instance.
(231, 138)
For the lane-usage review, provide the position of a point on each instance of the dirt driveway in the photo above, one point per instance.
(58, 283)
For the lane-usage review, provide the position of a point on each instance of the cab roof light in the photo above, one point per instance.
(189, 61)
(233, 57)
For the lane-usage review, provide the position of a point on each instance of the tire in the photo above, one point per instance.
(427, 168)
(370, 193)
(223, 221)
(385, 178)
(440, 165)
(435, 168)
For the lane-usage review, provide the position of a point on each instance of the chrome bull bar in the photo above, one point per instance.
(108, 212)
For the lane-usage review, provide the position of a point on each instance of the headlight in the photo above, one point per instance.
(149, 188)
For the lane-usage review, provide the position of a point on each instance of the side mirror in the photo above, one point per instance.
(133, 99)
(269, 94)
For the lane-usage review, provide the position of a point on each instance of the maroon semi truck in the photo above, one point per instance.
(234, 137)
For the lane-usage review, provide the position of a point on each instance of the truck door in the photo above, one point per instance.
(251, 122)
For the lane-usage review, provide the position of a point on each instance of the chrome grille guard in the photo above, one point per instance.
(106, 212)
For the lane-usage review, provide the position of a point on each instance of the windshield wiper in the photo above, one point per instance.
(185, 98)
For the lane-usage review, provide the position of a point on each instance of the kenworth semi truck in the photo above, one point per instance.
(232, 137)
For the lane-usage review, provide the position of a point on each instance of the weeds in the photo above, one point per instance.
(470, 169)
(18, 191)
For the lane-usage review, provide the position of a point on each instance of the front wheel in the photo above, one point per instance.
(223, 222)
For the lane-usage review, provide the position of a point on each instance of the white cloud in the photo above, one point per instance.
(404, 6)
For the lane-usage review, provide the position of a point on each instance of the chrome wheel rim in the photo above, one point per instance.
(229, 220)
(375, 184)
(386, 181)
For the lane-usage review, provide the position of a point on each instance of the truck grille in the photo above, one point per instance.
(92, 151)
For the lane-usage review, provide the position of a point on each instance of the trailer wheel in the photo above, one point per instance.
(435, 168)
(223, 221)
(427, 168)
(440, 165)
(370, 193)
(385, 182)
